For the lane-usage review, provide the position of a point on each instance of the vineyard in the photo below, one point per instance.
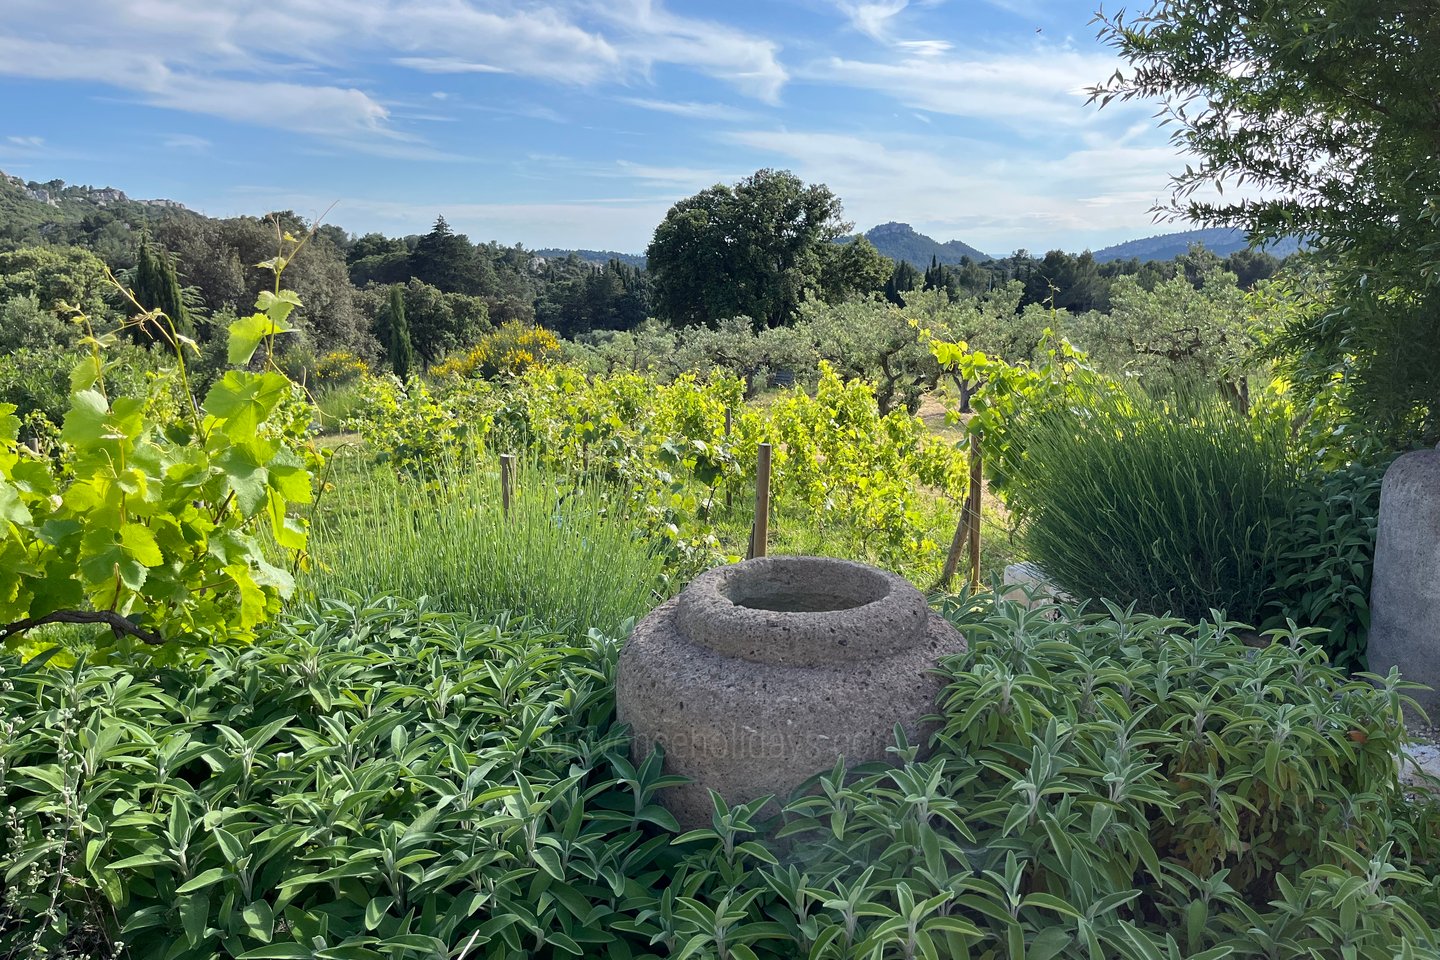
(683, 455)
(365, 597)
(270, 695)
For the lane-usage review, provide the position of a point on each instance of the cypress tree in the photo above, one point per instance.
(158, 288)
(402, 352)
(934, 274)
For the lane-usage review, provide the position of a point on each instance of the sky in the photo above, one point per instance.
(577, 123)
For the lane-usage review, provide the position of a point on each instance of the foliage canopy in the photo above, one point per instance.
(1331, 115)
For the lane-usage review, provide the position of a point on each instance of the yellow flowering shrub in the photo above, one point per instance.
(340, 366)
(510, 350)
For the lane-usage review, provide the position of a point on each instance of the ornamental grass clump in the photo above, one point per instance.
(1175, 504)
(566, 554)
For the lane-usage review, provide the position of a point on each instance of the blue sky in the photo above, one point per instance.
(578, 122)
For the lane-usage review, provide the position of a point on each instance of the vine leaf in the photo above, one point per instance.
(242, 402)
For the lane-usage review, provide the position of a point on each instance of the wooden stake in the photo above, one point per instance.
(760, 537)
(977, 487)
(957, 543)
(729, 494)
(967, 528)
(507, 479)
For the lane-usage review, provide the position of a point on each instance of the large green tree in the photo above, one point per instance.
(757, 249)
(1329, 115)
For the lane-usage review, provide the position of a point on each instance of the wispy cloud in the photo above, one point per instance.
(342, 113)
(873, 18)
(275, 66)
(185, 141)
(656, 35)
(446, 65)
(1031, 90)
(690, 108)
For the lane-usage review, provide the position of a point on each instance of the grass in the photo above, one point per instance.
(566, 555)
(1176, 505)
(337, 404)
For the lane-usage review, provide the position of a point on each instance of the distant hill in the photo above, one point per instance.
(601, 257)
(1220, 241)
(899, 241)
(28, 207)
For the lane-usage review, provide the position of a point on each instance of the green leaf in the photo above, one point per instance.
(247, 333)
(12, 510)
(278, 306)
(86, 372)
(259, 921)
(85, 422)
(242, 401)
(206, 879)
(245, 478)
(137, 541)
(195, 916)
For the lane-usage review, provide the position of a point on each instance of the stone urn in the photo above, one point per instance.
(764, 673)
(1405, 590)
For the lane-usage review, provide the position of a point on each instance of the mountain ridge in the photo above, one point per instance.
(900, 241)
(38, 205)
(1220, 241)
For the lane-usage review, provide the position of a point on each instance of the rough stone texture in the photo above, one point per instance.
(761, 674)
(1405, 593)
(1419, 763)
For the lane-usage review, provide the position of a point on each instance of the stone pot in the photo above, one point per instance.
(763, 673)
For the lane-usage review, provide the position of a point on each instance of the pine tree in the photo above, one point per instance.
(402, 352)
(448, 260)
(156, 287)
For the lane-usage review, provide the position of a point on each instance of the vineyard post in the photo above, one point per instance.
(967, 529)
(507, 479)
(760, 533)
(977, 486)
(729, 494)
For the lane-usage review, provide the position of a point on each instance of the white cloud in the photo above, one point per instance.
(655, 35)
(445, 65)
(330, 111)
(873, 18)
(185, 141)
(27, 143)
(702, 111)
(1033, 90)
(926, 48)
(273, 65)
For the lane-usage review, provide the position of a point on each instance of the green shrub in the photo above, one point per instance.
(385, 781)
(37, 380)
(1173, 505)
(382, 781)
(566, 555)
(1326, 555)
